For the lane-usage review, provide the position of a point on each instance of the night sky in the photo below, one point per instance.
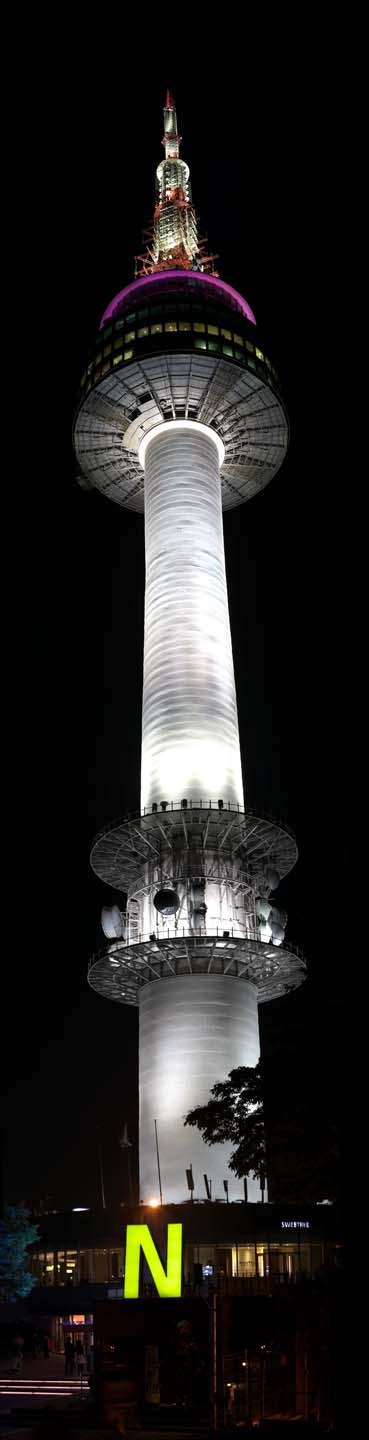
(262, 158)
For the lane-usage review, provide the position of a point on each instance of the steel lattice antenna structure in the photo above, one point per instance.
(180, 414)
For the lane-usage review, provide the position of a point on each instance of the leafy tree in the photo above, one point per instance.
(236, 1114)
(276, 1129)
(16, 1234)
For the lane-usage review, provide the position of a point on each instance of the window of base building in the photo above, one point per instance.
(86, 1265)
(47, 1268)
(223, 1261)
(262, 1261)
(101, 1266)
(243, 1261)
(36, 1267)
(284, 1261)
(61, 1268)
(116, 1264)
(71, 1267)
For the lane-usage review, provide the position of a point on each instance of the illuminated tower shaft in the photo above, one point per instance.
(181, 415)
(190, 1032)
(190, 741)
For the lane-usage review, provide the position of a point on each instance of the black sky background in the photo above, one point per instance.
(263, 154)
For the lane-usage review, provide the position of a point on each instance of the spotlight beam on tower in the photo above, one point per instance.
(181, 416)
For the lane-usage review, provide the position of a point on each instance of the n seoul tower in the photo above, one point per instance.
(180, 415)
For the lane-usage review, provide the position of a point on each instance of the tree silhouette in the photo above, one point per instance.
(16, 1234)
(274, 1130)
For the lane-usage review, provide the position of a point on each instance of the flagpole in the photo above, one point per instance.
(157, 1156)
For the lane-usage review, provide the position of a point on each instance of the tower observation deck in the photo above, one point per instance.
(181, 415)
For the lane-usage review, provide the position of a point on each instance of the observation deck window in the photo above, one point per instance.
(117, 358)
(238, 340)
(213, 329)
(214, 345)
(250, 347)
(184, 325)
(130, 335)
(259, 354)
(156, 329)
(198, 326)
(105, 368)
(98, 358)
(170, 325)
(226, 334)
(128, 354)
(106, 351)
(97, 373)
(227, 350)
(117, 342)
(200, 344)
(144, 330)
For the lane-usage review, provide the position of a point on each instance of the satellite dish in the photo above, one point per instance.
(166, 902)
(112, 922)
(279, 917)
(277, 934)
(263, 909)
(265, 933)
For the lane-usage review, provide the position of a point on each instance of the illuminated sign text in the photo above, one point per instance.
(168, 1283)
(295, 1224)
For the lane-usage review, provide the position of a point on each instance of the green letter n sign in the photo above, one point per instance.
(169, 1283)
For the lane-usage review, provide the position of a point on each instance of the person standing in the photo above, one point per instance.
(68, 1353)
(18, 1352)
(80, 1357)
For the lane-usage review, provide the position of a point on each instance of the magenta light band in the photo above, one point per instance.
(140, 284)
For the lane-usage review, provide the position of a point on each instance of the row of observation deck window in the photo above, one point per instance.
(129, 337)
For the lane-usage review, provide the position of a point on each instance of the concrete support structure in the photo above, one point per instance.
(190, 740)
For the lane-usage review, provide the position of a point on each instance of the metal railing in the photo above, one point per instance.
(169, 806)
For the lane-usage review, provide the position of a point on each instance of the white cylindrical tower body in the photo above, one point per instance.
(193, 1031)
(190, 740)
